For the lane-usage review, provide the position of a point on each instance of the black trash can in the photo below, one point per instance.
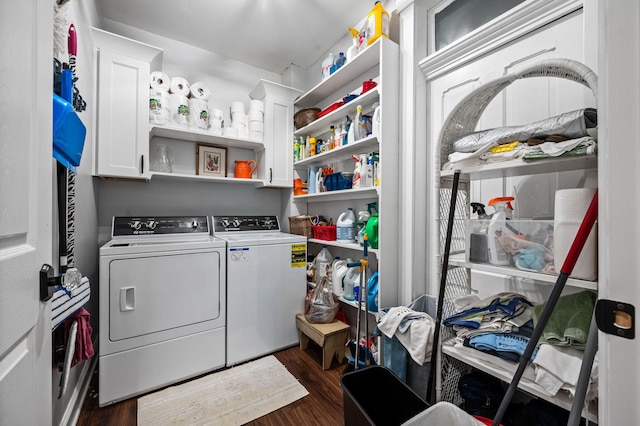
(376, 396)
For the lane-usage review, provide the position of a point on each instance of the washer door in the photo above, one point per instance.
(161, 292)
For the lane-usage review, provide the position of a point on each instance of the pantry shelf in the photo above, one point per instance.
(345, 194)
(192, 177)
(370, 143)
(366, 100)
(561, 399)
(342, 244)
(519, 167)
(194, 135)
(459, 260)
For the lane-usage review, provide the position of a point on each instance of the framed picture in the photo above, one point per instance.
(211, 160)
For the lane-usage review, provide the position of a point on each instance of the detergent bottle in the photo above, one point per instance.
(498, 228)
(345, 231)
(352, 51)
(351, 281)
(323, 262)
(338, 272)
(377, 23)
(372, 230)
(327, 64)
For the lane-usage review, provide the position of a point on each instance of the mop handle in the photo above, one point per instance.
(572, 257)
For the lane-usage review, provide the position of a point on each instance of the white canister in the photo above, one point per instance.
(158, 106)
(179, 111)
(198, 114)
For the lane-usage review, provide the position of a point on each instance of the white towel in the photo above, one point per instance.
(559, 368)
(416, 334)
(64, 305)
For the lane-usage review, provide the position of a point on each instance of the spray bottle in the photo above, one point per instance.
(498, 228)
(352, 51)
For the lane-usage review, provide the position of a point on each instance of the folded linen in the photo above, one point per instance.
(413, 329)
(573, 124)
(559, 368)
(64, 303)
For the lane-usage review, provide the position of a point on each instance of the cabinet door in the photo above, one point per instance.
(123, 131)
(278, 141)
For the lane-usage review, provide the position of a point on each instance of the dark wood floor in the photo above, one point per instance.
(323, 405)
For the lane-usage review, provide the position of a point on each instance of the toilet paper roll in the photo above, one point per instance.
(570, 207)
(237, 106)
(256, 126)
(256, 105)
(179, 86)
(255, 115)
(216, 121)
(158, 106)
(200, 90)
(198, 114)
(179, 110)
(238, 117)
(159, 80)
(256, 136)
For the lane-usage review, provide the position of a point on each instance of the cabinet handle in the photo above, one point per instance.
(142, 164)
(270, 175)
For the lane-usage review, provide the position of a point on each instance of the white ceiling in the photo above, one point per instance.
(269, 34)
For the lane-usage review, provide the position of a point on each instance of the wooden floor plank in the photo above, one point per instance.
(323, 405)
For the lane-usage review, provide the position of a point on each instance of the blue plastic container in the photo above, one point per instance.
(68, 134)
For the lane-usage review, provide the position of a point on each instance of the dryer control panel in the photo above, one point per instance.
(223, 224)
(124, 226)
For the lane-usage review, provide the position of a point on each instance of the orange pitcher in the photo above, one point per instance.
(243, 169)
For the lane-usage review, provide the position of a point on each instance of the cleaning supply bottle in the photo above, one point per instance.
(339, 270)
(327, 64)
(351, 280)
(332, 137)
(357, 124)
(377, 23)
(352, 51)
(372, 230)
(340, 60)
(498, 229)
(345, 230)
(323, 262)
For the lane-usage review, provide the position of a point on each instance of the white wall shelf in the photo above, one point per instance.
(196, 135)
(343, 194)
(370, 143)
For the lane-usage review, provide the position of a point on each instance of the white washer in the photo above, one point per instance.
(266, 285)
(162, 304)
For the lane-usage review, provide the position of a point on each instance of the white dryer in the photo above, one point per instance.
(266, 285)
(162, 304)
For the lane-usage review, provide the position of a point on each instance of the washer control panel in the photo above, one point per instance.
(124, 226)
(224, 224)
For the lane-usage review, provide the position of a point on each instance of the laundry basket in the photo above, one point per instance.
(301, 225)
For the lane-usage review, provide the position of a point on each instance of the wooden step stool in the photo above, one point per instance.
(331, 337)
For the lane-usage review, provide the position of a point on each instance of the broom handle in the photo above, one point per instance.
(567, 267)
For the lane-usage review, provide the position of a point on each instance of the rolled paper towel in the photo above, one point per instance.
(180, 86)
(570, 208)
(255, 115)
(200, 90)
(158, 106)
(237, 106)
(179, 112)
(216, 121)
(198, 114)
(159, 80)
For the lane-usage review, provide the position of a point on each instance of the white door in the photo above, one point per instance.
(26, 171)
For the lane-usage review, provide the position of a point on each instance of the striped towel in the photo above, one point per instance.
(65, 303)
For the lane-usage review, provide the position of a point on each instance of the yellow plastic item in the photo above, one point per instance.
(507, 147)
(377, 23)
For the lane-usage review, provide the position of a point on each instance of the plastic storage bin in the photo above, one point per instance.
(375, 396)
(528, 243)
(327, 233)
(336, 182)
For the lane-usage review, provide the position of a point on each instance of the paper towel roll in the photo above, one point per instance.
(159, 80)
(179, 110)
(256, 126)
(256, 136)
(158, 106)
(198, 114)
(570, 207)
(216, 121)
(572, 204)
(238, 117)
(179, 86)
(255, 115)
(200, 90)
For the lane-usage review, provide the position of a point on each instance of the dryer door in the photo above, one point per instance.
(159, 292)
